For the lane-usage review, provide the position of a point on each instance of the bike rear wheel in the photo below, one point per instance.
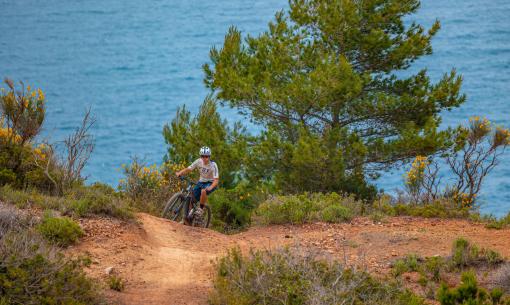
(206, 218)
(174, 207)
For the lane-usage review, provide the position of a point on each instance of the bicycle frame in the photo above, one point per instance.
(188, 195)
(184, 198)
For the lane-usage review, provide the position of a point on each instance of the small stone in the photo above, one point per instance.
(288, 236)
(108, 270)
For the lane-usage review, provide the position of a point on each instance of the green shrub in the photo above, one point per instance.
(289, 276)
(298, 209)
(7, 176)
(62, 231)
(465, 254)
(377, 216)
(115, 283)
(439, 209)
(34, 272)
(229, 143)
(498, 224)
(81, 201)
(468, 293)
(149, 187)
(231, 211)
(434, 266)
(336, 213)
(97, 199)
(411, 263)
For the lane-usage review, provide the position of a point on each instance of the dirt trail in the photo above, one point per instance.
(167, 263)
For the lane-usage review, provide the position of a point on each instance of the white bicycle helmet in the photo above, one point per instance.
(205, 151)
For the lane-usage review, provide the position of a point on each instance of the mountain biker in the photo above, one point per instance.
(209, 178)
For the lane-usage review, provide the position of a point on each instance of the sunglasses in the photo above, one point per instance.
(204, 156)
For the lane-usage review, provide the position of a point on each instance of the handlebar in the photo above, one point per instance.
(187, 180)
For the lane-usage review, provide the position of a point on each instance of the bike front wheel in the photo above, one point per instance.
(174, 208)
(206, 218)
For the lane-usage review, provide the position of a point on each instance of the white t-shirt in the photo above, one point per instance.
(208, 172)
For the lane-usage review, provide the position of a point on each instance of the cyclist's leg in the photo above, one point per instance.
(204, 193)
(195, 197)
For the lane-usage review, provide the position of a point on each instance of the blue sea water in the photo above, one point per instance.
(134, 62)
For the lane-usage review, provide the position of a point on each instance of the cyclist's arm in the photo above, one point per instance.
(187, 169)
(183, 172)
(216, 177)
(214, 184)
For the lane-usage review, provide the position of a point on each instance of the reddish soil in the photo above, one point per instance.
(164, 262)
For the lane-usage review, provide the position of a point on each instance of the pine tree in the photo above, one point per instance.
(328, 69)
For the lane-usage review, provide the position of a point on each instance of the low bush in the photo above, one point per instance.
(466, 254)
(97, 199)
(81, 201)
(443, 208)
(408, 264)
(289, 276)
(34, 272)
(469, 293)
(62, 231)
(433, 267)
(298, 209)
(115, 283)
(336, 213)
(232, 208)
(149, 187)
(498, 224)
(231, 213)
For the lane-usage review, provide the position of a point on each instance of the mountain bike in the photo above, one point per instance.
(177, 207)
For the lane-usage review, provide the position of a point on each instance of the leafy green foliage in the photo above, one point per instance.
(291, 276)
(81, 201)
(97, 199)
(62, 231)
(297, 209)
(441, 208)
(465, 254)
(185, 136)
(336, 213)
(231, 210)
(322, 80)
(408, 264)
(34, 272)
(468, 293)
(22, 114)
(115, 283)
(313, 164)
(498, 224)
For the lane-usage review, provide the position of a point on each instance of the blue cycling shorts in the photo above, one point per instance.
(197, 190)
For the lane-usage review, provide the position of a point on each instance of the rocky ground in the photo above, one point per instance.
(163, 262)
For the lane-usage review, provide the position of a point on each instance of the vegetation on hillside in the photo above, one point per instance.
(291, 276)
(322, 81)
(32, 271)
(465, 259)
(324, 85)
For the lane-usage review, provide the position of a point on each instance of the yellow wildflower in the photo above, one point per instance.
(40, 94)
